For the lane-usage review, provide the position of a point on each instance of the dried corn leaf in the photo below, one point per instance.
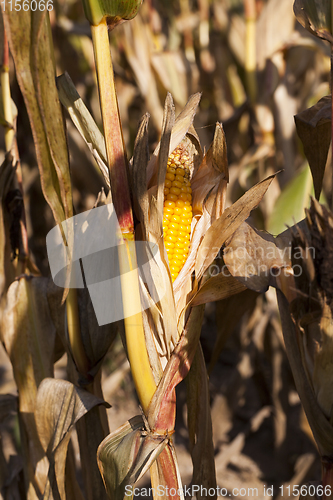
(211, 178)
(28, 334)
(182, 125)
(200, 426)
(137, 46)
(172, 72)
(59, 406)
(320, 426)
(315, 16)
(32, 52)
(254, 258)
(84, 123)
(139, 176)
(165, 475)
(125, 455)
(269, 39)
(224, 227)
(314, 129)
(7, 270)
(162, 408)
(218, 287)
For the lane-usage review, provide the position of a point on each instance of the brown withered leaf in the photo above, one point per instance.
(7, 270)
(138, 172)
(32, 52)
(137, 47)
(200, 425)
(211, 178)
(84, 123)
(168, 124)
(320, 426)
(162, 408)
(218, 287)
(59, 406)
(315, 16)
(273, 13)
(126, 454)
(313, 126)
(224, 227)
(165, 474)
(28, 334)
(182, 125)
(320, 222)
(254, 258)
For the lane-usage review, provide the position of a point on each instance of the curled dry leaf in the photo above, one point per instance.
(224, 227)
(59, 406)
(313, 126)
(25, 319)
(126, 454)
(307, 323)
(315, 16)
(32, 54)
(255, 258)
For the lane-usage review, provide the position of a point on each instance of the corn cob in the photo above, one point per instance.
(177, 213)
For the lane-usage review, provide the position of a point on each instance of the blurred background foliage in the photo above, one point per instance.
(256, 68)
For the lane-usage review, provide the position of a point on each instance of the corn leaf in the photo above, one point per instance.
(223, 228)
(59, 406)
(32, 52)
(313, 126)
(254, 258)
(211, 179)
(165, 476)
(320, 426)
(137, 44)
(25, 320)
(217, 287)
(182, 125)
(7, 269)
(315, 16)
(84, 123)
(125, 455)
(200, 425)
(161, 412)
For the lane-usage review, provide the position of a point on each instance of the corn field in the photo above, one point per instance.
(166, 249)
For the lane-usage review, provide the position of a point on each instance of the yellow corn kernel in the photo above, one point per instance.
(177, 210)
